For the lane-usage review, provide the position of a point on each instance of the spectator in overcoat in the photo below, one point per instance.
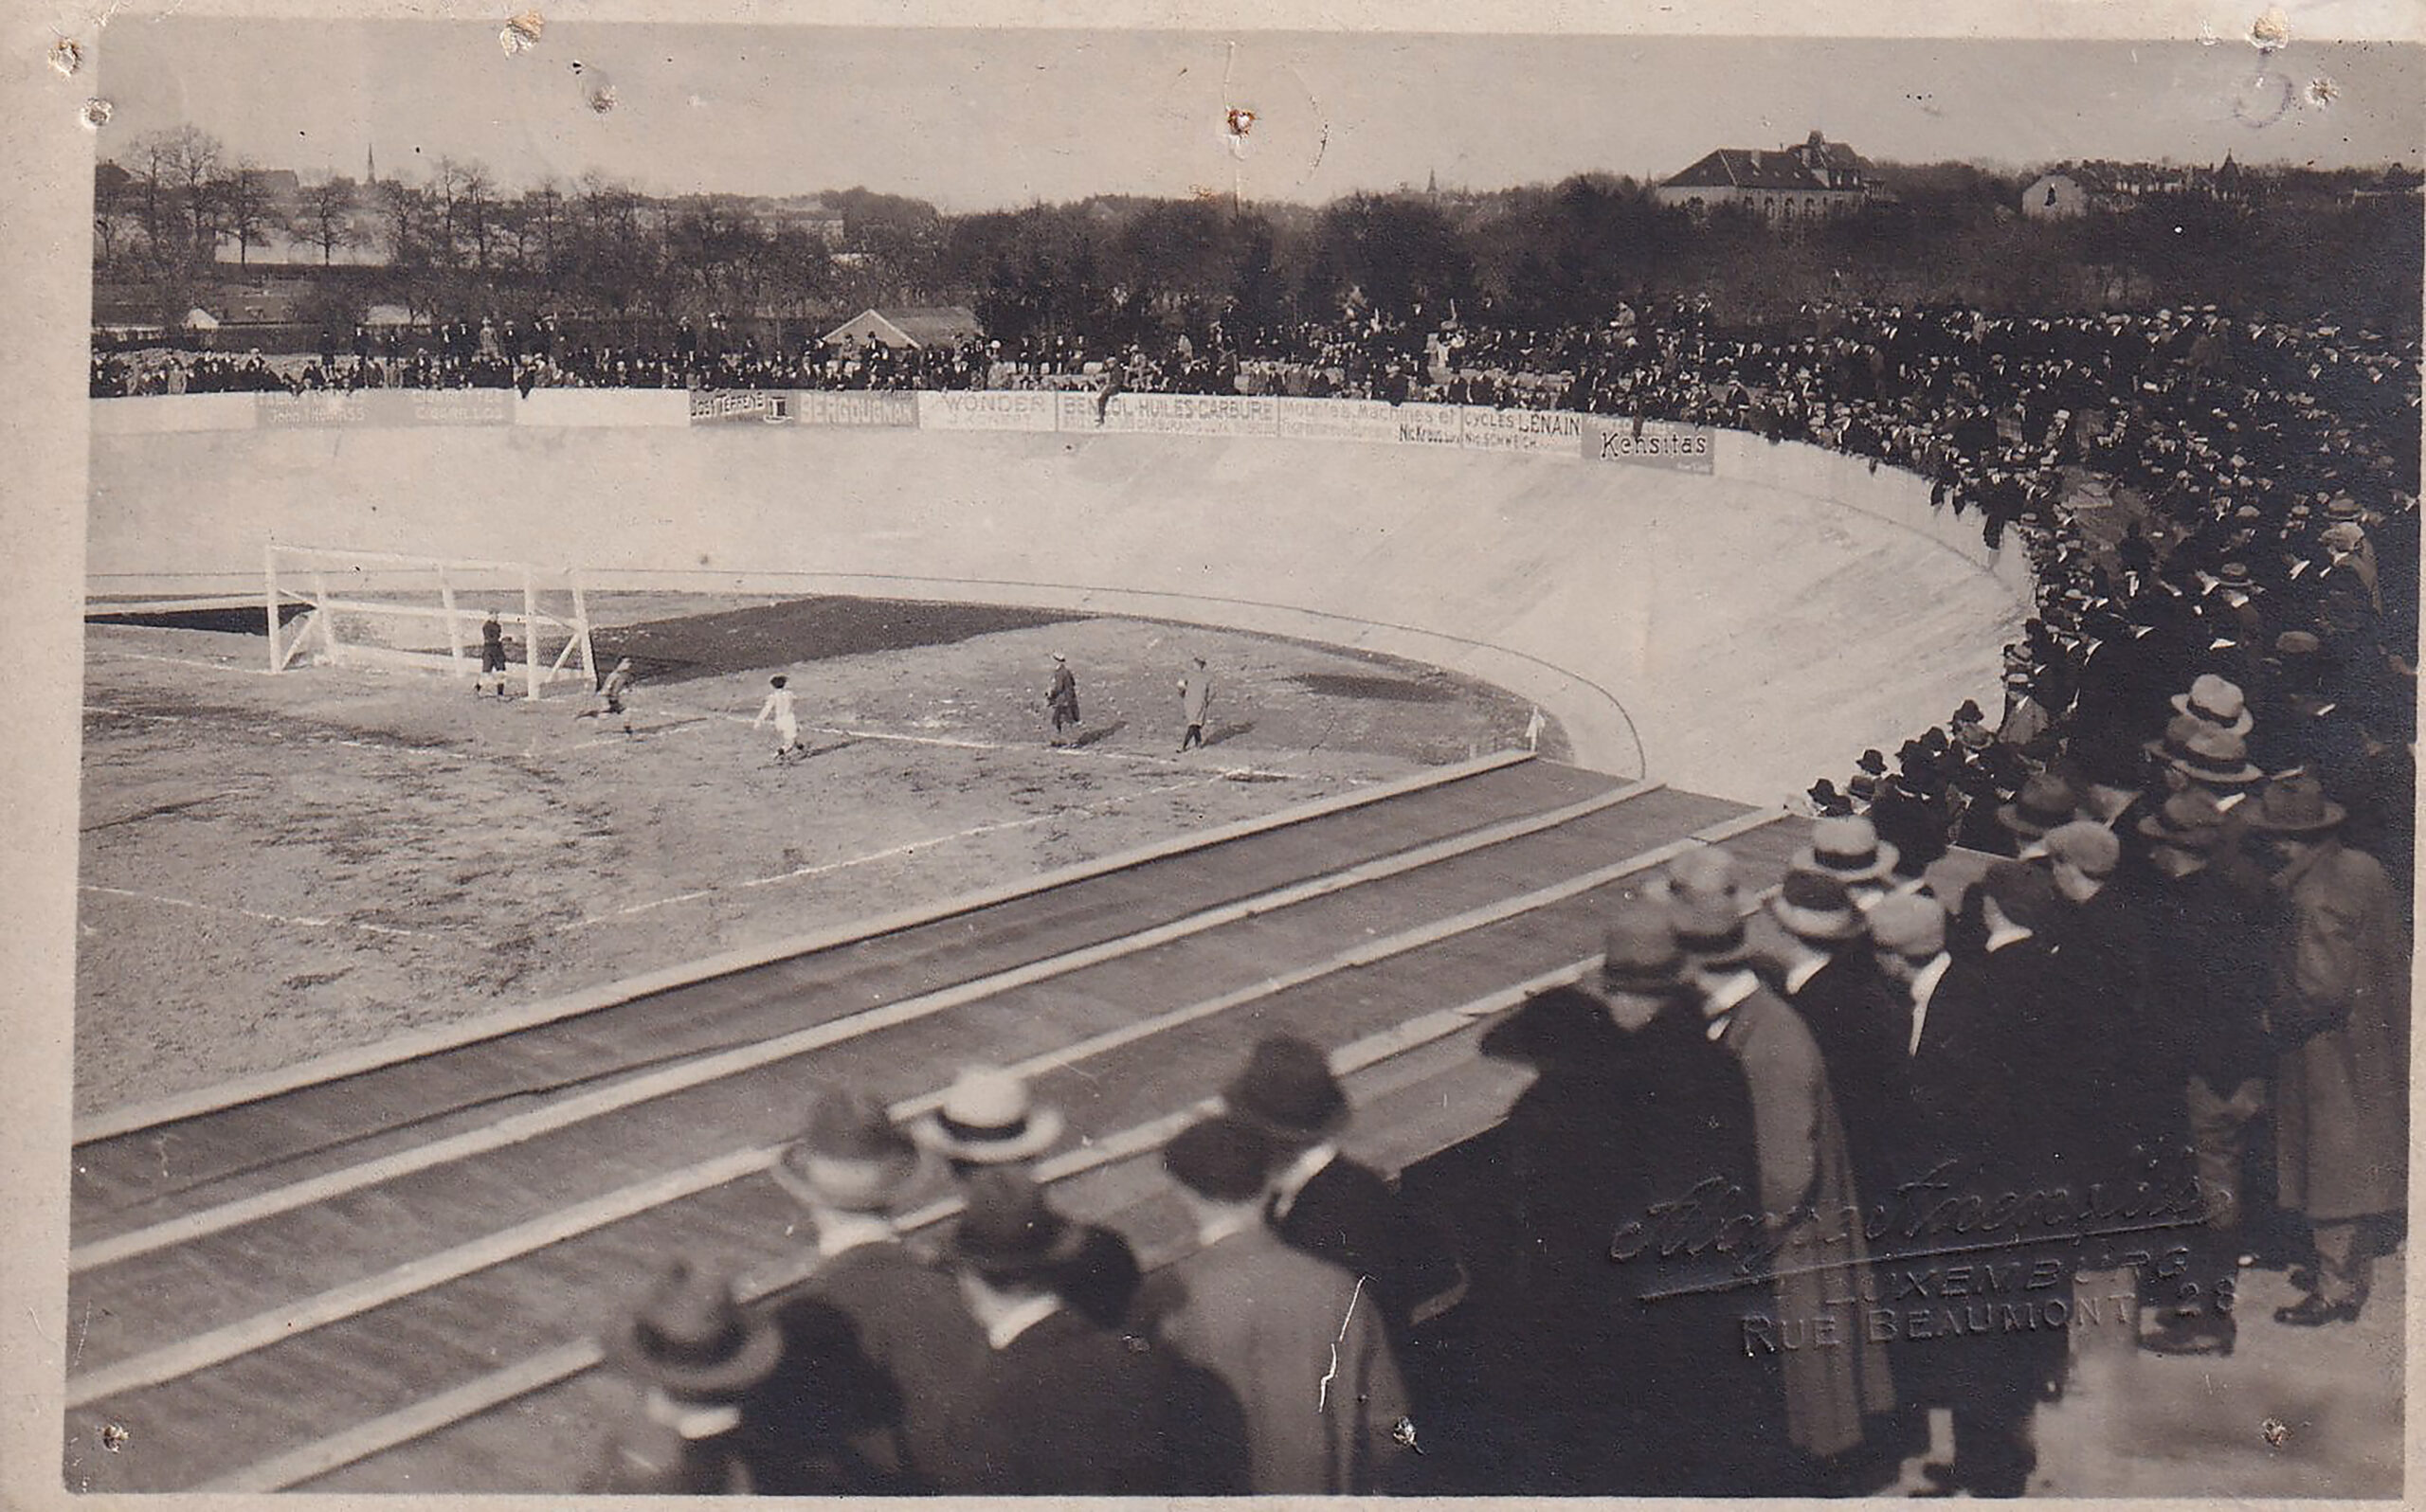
(2340, 1009)
(1299, 1341)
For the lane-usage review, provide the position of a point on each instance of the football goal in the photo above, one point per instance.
(423, 613)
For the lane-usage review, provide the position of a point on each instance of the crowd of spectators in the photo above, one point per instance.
(2175, 996)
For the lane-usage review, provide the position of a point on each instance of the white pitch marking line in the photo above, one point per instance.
(255, 913)
(886, 853)
(130, 714)
(178, 662)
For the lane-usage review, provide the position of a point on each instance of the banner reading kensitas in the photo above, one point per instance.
(1649, 443)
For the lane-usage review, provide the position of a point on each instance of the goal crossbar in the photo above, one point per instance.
(331, 582)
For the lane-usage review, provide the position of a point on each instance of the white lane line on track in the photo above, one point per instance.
(797, 873)
(304, 921)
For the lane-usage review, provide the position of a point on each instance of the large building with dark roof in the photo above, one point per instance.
(1813, 178)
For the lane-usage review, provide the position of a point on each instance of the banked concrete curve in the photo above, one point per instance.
(1735, 632)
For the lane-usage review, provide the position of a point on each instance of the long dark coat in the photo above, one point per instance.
(2342, 1005)
(1806, 1173)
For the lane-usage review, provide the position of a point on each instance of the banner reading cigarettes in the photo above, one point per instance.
(387, 407)
(1649, 443)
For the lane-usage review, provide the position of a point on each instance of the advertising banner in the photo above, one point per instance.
(387, 406)
(1649, 443)
(1371, 419)
(1029, 409)
(1555, 432)
(715, 406)
(1171, 414)
(855, 406)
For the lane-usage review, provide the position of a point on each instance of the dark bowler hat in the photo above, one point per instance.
(1816, 906)
(2045, 801)
(1639, 951)
(2190, 820)
(1221, 1158)
(2025, 893)
(1008, 1233)
(689, 1337)
(1288, 1091)
(2295, 804)
(851, 1156)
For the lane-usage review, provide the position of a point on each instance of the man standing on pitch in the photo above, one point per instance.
(1195, 698)
(493, 663)
(1061, 698)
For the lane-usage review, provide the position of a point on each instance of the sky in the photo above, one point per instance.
(977, 119)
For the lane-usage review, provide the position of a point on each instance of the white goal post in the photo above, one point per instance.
(423, 612)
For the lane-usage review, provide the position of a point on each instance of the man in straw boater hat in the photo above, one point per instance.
(1806, 1195)
(1056, 1404)
(2339, 1011)
(1848, 852)
(986, 1120)
(696, 1355)
(1268, 1318)
(1327, 1204)
(872, 1332)
(2209, 974)
(1633, 1109)
(1814, 953)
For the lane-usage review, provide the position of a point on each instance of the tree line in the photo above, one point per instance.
(451, 242)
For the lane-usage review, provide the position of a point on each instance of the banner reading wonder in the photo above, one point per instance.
(1649, 443)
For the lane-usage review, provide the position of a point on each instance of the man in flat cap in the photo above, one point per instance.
(2340, 1009)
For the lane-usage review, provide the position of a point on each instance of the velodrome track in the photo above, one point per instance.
(1741, 631)
(384, 1272)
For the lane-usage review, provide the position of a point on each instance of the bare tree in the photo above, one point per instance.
(179, 172)
(325, 217)
(246, 210)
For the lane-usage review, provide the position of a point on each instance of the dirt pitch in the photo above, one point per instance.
(276, 867)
